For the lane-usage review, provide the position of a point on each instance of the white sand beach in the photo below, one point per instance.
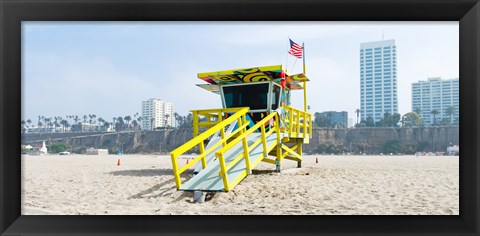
(337, 185)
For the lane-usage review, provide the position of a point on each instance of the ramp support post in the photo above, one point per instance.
(300, 150)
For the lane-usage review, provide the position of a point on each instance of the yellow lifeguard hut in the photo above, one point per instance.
(255, 124)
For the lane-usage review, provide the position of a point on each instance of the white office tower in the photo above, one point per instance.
(378, 79)
(436, 94)
(156, 113)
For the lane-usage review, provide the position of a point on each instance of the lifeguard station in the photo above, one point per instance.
(255, 124)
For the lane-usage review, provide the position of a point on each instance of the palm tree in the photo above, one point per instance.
(134, 118)
(39, 124)
(135, 124)
(47, 122)
(106, 124)
(140, 119)
(166, 119)
(50, 123)
(128, 119)
(450, 111)
(387, 119)
(85, 118)
(120, 124)
(92, 118)
(394, 119)
(56, 124)
(189, 120)
(64, 124)
(29, 122)
(76, 119)
(434, 112)
(43, 122)
(177, 119)
(101, 121)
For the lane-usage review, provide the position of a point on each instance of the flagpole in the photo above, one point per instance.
(286, 58)
(303, 52)
(304, 82)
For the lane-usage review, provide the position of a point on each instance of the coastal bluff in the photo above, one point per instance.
(355, 140)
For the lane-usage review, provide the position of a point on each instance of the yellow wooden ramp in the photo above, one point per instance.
(210, 179)
(232, 153)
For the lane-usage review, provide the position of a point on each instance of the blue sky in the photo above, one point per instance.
(108, 68)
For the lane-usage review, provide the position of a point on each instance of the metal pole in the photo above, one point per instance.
(304, 83)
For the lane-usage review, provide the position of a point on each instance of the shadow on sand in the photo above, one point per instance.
(159, 190)
(163, 189)
(148, 172)
(264, 172)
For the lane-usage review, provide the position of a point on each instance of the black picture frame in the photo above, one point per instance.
(13, 12)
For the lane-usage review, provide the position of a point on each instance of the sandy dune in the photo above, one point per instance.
(143, 185)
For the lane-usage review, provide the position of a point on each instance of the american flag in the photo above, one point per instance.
(295, 49)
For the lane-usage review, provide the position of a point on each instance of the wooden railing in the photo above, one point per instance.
(243, 137)
(298, 123)
(198, 139)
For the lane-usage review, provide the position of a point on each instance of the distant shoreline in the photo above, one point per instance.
(364, 140)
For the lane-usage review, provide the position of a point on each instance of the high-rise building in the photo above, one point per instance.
(336, 119)
(378, 79)
(156, 113)
(436, 94)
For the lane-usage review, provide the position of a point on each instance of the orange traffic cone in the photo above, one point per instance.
(118, 162)
(187, 160)
(316, 161)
